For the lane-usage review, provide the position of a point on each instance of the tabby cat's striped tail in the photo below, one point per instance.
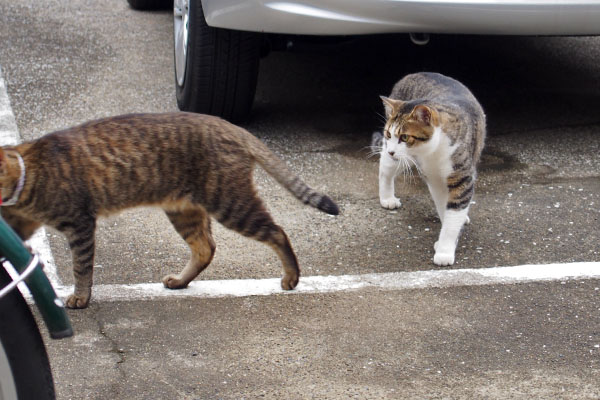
(279, 170)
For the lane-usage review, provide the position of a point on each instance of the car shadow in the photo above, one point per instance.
(523, 83)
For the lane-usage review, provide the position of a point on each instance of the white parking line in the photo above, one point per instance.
(438, 278)
(327, 284)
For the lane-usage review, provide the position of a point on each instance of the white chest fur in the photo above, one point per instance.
(434, 160)
(434, 157)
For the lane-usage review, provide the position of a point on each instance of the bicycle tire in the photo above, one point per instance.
(23, 350)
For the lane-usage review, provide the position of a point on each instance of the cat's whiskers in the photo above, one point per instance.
(383, 117)
(373, 151)
(411, 176)
(401, 165)
(416, 165)
(408, 170)
(406, 163)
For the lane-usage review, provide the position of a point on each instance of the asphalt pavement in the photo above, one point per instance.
(537, 201)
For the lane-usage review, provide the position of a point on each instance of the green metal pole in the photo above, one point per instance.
(50, 306)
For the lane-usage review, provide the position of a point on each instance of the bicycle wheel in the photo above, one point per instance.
(24, 367)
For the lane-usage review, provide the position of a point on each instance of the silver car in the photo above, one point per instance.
(218, 42)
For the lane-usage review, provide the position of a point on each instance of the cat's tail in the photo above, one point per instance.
(377, 140)
(279, 170)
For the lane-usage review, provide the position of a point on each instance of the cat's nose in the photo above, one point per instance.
(391, 153)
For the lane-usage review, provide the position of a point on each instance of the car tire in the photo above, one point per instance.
(215, 69)
(150, 4)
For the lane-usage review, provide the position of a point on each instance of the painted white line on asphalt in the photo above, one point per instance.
(327, 284)
(9, 135)
(39, 242)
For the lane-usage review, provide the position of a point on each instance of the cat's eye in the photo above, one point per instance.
(404, 137)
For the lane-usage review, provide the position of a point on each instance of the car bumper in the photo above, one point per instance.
(355, 17)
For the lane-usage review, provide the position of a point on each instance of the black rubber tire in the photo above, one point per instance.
(221, 69)
(150, 4)
(24, 347)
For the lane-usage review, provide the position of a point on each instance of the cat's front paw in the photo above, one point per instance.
(390, 203)
(78, 301)
(290, 281)
(443, 258)
(174, 282)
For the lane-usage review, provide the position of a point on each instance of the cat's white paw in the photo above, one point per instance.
(390, 203)
(443, 258)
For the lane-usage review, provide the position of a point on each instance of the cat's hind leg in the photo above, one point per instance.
(194, 227)
(460, 192)
(251, 219)
(445, 247)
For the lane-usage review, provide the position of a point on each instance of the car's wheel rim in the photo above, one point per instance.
(181, 14)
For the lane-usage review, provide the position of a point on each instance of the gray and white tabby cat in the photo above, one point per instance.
(435, 123)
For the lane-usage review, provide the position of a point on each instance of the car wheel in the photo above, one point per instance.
(215, 69)
(150, 4)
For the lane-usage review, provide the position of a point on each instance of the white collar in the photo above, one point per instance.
(17, 192)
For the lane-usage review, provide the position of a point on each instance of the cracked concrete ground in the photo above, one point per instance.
(483, 345)
(316, 107)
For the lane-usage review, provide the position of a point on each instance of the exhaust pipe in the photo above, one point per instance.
(420, 39)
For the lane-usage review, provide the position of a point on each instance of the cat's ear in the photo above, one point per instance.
(424, 115)
(391, 106)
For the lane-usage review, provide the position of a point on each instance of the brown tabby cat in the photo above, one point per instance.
(193, 166)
